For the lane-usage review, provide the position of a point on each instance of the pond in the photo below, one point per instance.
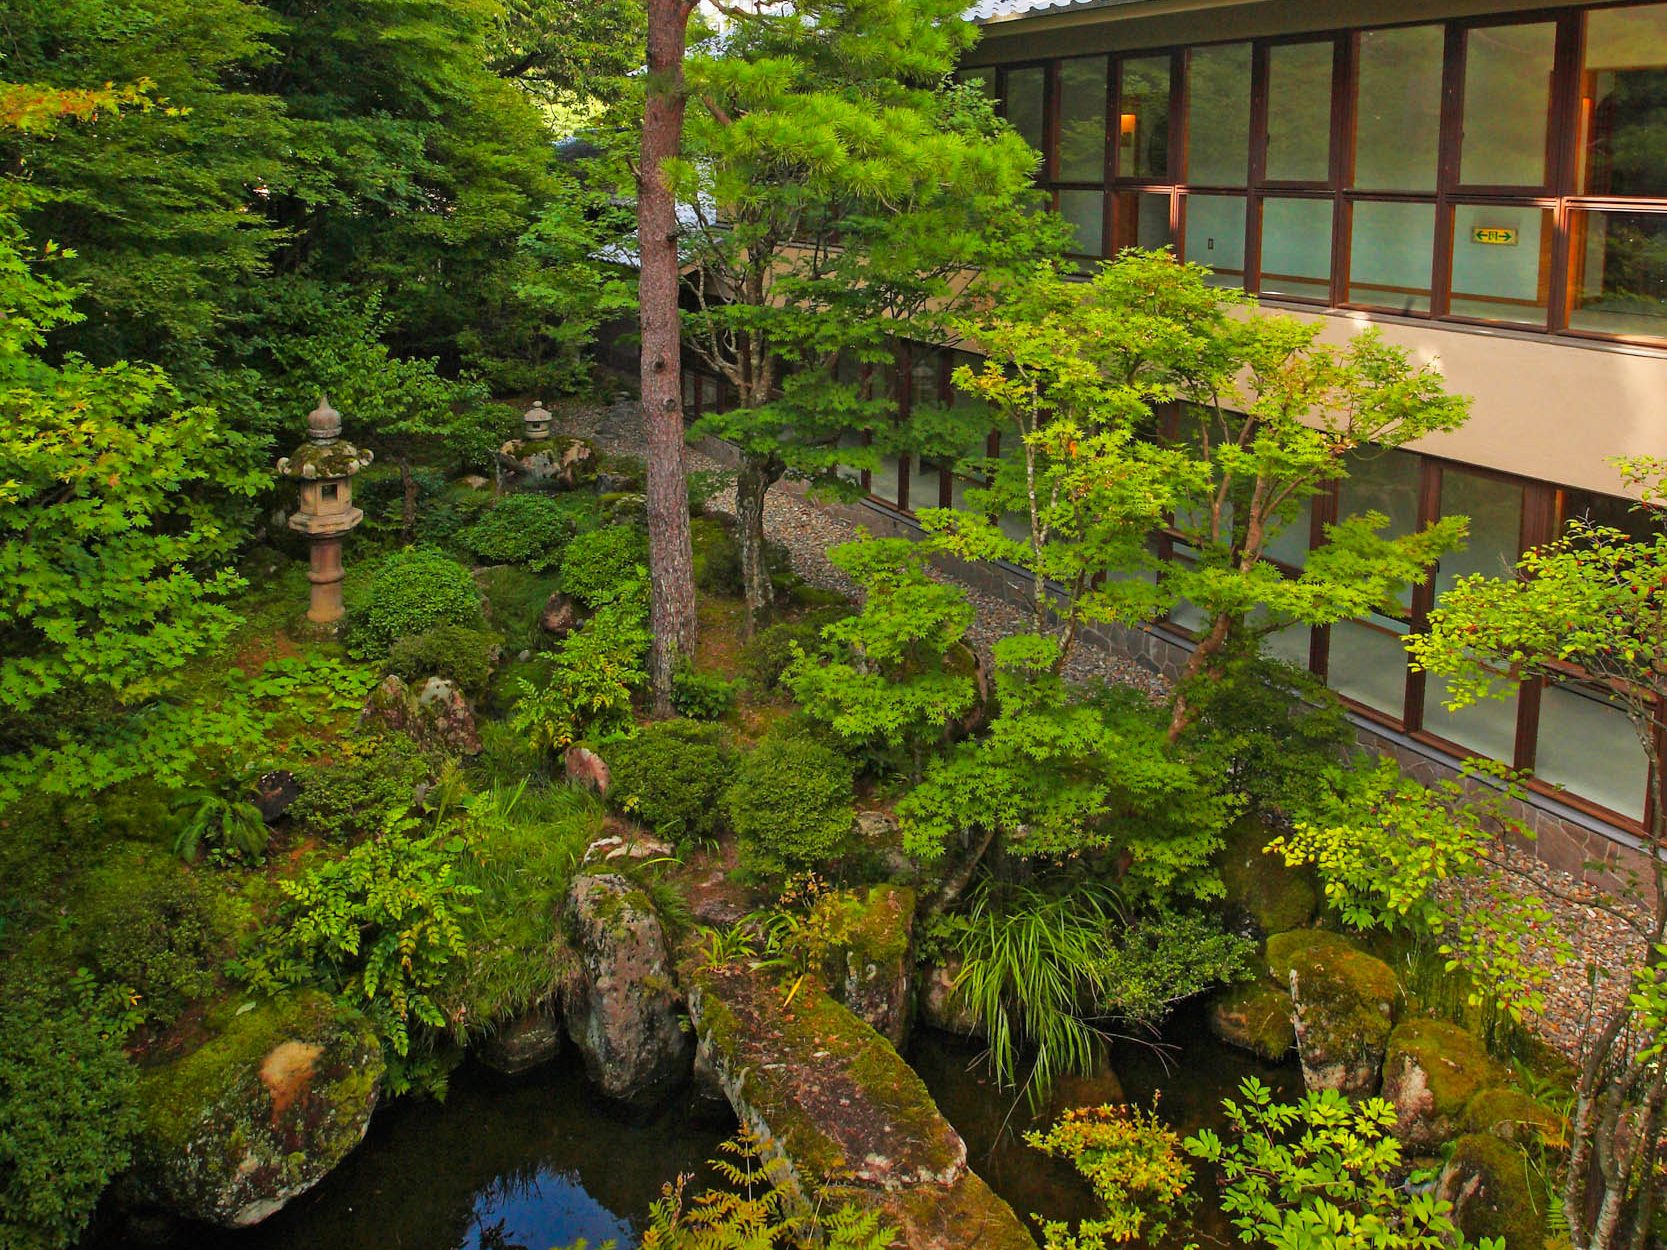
(542, 1161)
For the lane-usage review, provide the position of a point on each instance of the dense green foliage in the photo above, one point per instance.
(790, 803)
(1133, 1161)
(352, 795)
(606, 565)
(459, 652)
(411, 592)
(592, 676)
(671, 776)
(524, 529)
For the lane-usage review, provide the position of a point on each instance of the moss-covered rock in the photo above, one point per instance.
(562, 463)
(623, 1010)
(1264, 897)
(1254, 1016)
(1431, 1071)
(1486, 1180)
(1511, 1114)
(871, 969)
(260, 1113)
(941, 1005)
(1345, 1006)
(530, 1040)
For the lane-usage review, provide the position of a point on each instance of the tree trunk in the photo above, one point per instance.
(752, 480)
(670, 561)
(408, 509)
(1209, 646)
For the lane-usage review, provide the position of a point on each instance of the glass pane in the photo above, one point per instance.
(1368, 663)
(1501, 263)
(1624, 102)
(1613, 512)
(1299, 112)
(1495, 511)
(1388, 482)
(1398, 123)
(1015, 526)
(1143, 119)
(883, 482)
(1488, 728)
(1218, 116)
(1026, 98)
(1587, 746)
(1086, 211)
(1507, 93)
(851, 438)
(1215, 236)
(1296, 248)
(1390, 254)
(1142, 220)
(1290, 545)
(1082, 119)
(1618, 273)
(923, 377)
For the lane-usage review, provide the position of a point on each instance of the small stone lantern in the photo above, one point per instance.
(325, 465)
(536, 422)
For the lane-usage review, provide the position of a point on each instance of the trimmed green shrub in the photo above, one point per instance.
(605, 565)
(66, 1113)
(455, 651)
(717, 557)
(155, 930)
(671, 776)
(525, 529)
(790, 804)
(701, 696)
(353, 795)
(412, 591)
(771, 650)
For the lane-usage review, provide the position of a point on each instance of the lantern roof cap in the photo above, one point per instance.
(324, 423)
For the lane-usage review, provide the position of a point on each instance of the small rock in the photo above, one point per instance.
(531, 1039)
(940, 1004)
(560, 616)
(1431, 1071)
(523, 655)
(586, 768)
(474, 481)
(638, 846)
(438, 716)
(1254, 1016)
(274, 792)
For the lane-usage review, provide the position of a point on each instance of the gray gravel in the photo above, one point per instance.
(1602, 934)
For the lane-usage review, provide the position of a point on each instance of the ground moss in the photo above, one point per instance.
(1511, 1114)
(1254, 1016)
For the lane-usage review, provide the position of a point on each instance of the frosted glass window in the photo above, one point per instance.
(1507, 98)
(1386, 482)
(884, 480)
(1215, 236)
(1086, 211)
(1398, 114)
(1218, 116)
(1618, 273)
(1296, 248)
(1501, 263)
(1495, 511)
(1289, 645)
(1391, 252)
(1624, 99)
(1290, 544)
(1367, 662)
(1299, 112)
(1488, 728)
(1082, 119)
(1026, 102)
(1142, 220)
(1143, 119)
(1587, 746)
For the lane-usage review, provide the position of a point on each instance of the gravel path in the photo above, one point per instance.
(1602, 944)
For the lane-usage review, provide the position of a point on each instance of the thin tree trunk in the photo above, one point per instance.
(670, 561)
(752, 481)
(1203, 655)
(408, 509)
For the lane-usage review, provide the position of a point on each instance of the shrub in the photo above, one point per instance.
(413, 591)
(66, 1112)
(592, 675)
(717, 557)
(1133, 1161)
(772, 649)
(524, 529)
(455, 651)
(701, 696)
(156, 933)
(671, 776)
(355, 793)
(605, 565)
(790, 803)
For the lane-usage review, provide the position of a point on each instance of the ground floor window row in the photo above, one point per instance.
(1568, 732)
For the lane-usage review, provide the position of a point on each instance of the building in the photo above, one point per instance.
(1486, 182)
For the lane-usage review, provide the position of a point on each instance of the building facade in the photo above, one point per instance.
(1486, 183)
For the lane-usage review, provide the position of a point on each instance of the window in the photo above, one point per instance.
(1026, 103)
(1142, 219)
(1391, 254)
(1507, 97)
(1398, 109)
(1618, 273)
(1299, 112)
(1086, 211)
(1623, 102)
(1215, 235)
(1082, 119)
(1296, 248)
(1587, 745)
(331, 490)
(1501, 263)
(1368, 663)
(1218, 116)
(1143, 119)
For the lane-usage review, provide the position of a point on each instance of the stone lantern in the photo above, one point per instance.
(325, 465)
(541, 459)
(536, 422)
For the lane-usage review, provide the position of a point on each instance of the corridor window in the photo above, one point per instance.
(1026, 101)
(1215, 236)
(1218, 112)
(1507, 97)
(1368, 663)
(1501, 263)
(1296, 248)
(1398, 109)
(1143, 119)
(1086, 211)
(1587, 745)
(1391, 253)
(1623, 100)
(1142, 219)
(1299, 112)
(1618, 273)
(1082, 119)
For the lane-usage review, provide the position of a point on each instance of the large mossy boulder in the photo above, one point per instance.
(1264, 897)
(1431, 1071)
(1511, 1114)
(1254, 1016)
(260, 1113)
(623, 1009)
(1344, 1003)
(1487, 1181)
(870, 968)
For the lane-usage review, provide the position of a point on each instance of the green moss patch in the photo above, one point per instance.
(1455, 1061)
(1511, 1114)
(1254, 1016)
(1486, 1179)
(1260, 888)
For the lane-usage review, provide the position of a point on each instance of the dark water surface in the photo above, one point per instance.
(533, 1163)
(1190, 1071)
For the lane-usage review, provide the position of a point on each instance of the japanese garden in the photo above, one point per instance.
(610, 634)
